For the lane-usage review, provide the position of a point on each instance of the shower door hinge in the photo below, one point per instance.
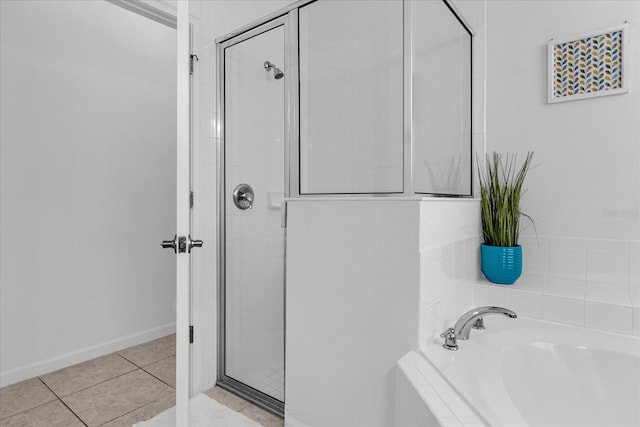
(192, 59)
(191, 197)
(190, 334)
(283, 215)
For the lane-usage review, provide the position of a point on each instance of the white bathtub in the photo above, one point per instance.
(522, 372)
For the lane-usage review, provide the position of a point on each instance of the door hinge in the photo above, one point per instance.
(191, 197)
(283, 215)
(191, 334)
(192, 59)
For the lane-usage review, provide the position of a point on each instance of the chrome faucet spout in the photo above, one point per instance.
(465, 323)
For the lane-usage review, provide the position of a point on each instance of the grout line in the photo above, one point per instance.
(93, 385)
(28, 409)
(63, 402)
(140, 365)
(161, 380)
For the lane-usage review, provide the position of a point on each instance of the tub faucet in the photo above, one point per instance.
(471, 319)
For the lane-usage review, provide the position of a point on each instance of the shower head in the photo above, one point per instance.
(277, 73)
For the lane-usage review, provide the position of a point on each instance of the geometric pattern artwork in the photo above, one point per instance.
(588, 66)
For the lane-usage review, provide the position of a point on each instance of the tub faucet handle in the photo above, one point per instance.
(450, 342)
(478, 324)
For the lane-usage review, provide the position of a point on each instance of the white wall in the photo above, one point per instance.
(88, 182)
(587, 152)
(351, 308)
(583, 191)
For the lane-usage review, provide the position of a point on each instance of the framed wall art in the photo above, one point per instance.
(588, 66)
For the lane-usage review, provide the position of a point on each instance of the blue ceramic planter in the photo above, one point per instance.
(502, 265)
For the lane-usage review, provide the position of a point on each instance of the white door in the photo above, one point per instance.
(183, 219)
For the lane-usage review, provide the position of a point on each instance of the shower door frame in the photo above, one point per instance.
(287, 18)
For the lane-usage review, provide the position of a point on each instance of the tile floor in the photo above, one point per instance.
(116, 390)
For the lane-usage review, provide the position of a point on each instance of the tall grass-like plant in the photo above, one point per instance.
(500, 193)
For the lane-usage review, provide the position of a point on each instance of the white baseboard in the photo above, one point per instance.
(53, 364)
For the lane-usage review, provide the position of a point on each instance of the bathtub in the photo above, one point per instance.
(521, 372)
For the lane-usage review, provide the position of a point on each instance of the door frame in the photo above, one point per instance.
(288, 20)
(183, 214)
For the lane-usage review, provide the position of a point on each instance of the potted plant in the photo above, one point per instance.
(500, 192)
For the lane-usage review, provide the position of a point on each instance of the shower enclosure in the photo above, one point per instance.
(326, 99)
(252, 103)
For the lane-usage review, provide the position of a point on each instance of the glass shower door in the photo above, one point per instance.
(254, 156)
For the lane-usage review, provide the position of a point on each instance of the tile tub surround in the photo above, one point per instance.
(593, 283)
(596, 305)
(585, 282)
(447, 272)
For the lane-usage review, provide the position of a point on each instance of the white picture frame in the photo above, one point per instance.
(561, 82)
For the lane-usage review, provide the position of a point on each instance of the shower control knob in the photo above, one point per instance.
(243, 196)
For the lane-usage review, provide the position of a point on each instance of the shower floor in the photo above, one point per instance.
(271, 381)
(116, 390)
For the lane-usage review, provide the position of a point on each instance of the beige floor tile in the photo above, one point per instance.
(262, 417)
(87, 374)
(145, 413)
(227, 398)
(164, 370)
(111, 399)
(52, 414)
(152, 351)
(24, 395)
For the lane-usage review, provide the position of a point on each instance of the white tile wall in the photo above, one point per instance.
(561, 309)
(609, 317)
(584, 282)
(446, 272)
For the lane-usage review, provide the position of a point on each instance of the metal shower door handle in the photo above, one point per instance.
(243, 196)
